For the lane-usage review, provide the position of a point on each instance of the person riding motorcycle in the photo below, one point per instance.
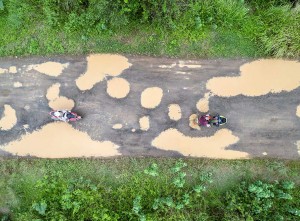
(208, 120)
(64, 115)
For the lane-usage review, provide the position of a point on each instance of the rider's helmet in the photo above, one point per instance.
(57, 114)
(222, 120)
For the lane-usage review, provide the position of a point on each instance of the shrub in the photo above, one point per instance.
(262, 201)
(76, 199)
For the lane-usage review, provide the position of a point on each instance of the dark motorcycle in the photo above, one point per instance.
(64, 115)
(197, 121)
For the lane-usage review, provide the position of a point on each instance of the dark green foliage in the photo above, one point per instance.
(262, 201)
(177, 28)
(149, 189)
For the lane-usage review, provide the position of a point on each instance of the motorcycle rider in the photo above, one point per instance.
(205, 120)
(64, 115)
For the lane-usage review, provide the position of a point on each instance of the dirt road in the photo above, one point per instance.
(140, 106)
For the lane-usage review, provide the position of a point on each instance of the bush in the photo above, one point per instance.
(262, 201)
(146, 196)
(148, 189)
(281, 35)
(176, 28)
(77, 199)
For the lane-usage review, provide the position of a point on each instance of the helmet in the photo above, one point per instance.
(223, 120)
(57, 114)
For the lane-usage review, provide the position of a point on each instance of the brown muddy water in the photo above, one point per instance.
(174, 112)
(50, 68)
(144, 123)
(118, 88)
(57, 102)
(151, 97)
(60, 140)
(213, 147)
(9, 118)
(203, 104)
(100, 65)
(258, 78)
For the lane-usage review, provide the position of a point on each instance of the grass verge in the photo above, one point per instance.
(172, 28)
(149, 189)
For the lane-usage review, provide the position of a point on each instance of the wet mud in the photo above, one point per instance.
(57, 102)
(60, 140)
(118, 88)
(258, 78)
(144, 123)
(99, 66)
(50, 68)
(174, 112)
(213, 147)
(151, 97)
(118, 96)
(9, 118)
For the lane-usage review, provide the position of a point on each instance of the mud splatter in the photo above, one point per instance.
(99, 65)
(60, 140)
(9, 118)
(151, 97)
(12, 69)
(167, 66)
(62, 103)
(183, 64)
(203, 104)
(298, 111)
(18, 84)
(144, 123)
(182, 72)
(117, 126)
(193, 122)
(2, 71)
(50, 68)
(53, 92)
(265, 153)
(258, 78)
(57, 102)
(133, 130)
(118, 88)
(213, 147)
(174, 112)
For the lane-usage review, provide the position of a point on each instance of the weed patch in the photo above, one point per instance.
(177, 28)
(149, 189)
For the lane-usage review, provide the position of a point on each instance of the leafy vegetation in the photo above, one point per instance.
(176, 28)
(149, 189)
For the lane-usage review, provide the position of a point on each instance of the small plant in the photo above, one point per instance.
(70, 199)
(178, 196)
(152, 170)
(261, 201)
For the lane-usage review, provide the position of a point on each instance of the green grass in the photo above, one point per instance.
(126, 188)
(180, 28)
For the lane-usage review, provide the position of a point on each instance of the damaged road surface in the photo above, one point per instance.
(140, 106)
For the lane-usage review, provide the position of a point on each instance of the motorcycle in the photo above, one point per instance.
(197, 121)
(64, 115)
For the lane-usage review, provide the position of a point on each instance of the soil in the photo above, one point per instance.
(260, 102)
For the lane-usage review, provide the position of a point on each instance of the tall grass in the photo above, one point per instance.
(184, 28)
(149, 189)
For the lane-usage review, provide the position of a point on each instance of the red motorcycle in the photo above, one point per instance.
(197, 121)
(64, 115)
